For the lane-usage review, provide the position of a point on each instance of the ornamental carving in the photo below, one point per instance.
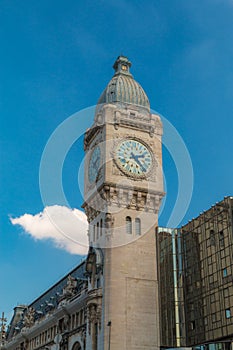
(91, 211)
(143, 121)
(64, 342)
(83, 335)
(29, 317)
(64, 324)
(99, 315)
(124, 197)
(70, 289)
(99, 119)
(93, 133)
(132, 198)
(94, 313)
(109, 223)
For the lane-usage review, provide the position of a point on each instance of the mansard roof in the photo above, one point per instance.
(70, 286)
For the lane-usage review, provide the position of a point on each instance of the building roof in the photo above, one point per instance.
(49, 300)
(123, 89)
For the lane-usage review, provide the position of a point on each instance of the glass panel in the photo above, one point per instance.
(228, 313)
(225, 272)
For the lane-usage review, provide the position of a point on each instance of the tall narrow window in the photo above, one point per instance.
(212, 237)
(225, 272)
(95, 336)
(221, 239)
(137, 226)
(193, 325)
(128, 225)
(101, 227)
(94, 229)
(97, 234)
(228, 313)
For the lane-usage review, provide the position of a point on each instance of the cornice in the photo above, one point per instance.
(90, 134)
(123, 197)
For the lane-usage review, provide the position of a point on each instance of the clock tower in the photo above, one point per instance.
(123, 191)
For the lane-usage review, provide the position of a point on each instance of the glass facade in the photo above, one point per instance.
(196, 280)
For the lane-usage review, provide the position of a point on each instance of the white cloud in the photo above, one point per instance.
(65, 227)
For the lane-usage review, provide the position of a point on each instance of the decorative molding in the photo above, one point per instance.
(90, 211)
(94, 132)
(123, 197)
(71, 288)
(29, 317)
(143, 121)
(94, 308)
(109, 224)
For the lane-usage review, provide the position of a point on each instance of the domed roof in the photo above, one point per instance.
(123, 89)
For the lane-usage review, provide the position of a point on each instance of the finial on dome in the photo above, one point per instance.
(122, 65)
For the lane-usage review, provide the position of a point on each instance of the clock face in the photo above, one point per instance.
(94, 165)
(134, 158)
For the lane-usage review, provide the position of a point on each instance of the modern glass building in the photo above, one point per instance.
(196, 280)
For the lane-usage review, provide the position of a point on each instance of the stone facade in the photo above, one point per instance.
(57, 319)
(111, 300)
(116, 195)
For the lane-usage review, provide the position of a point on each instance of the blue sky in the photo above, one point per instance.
(56, 58)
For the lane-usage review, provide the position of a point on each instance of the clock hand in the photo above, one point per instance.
(140, 156)
(137, 161)
(140, 164)
(133, 156)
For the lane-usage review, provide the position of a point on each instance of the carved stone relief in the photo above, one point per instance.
(70, 289)
(29, 317)
(123, 198)
(134, 119)
(94, 313)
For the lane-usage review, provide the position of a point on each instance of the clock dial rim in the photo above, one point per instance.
(93, 177)
(136, 176)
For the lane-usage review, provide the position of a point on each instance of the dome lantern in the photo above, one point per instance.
(122, 66)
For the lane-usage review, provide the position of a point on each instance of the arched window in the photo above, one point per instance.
(128, 225)
(137, 226)
(76, 346)
(97, 234)
(101, 227)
